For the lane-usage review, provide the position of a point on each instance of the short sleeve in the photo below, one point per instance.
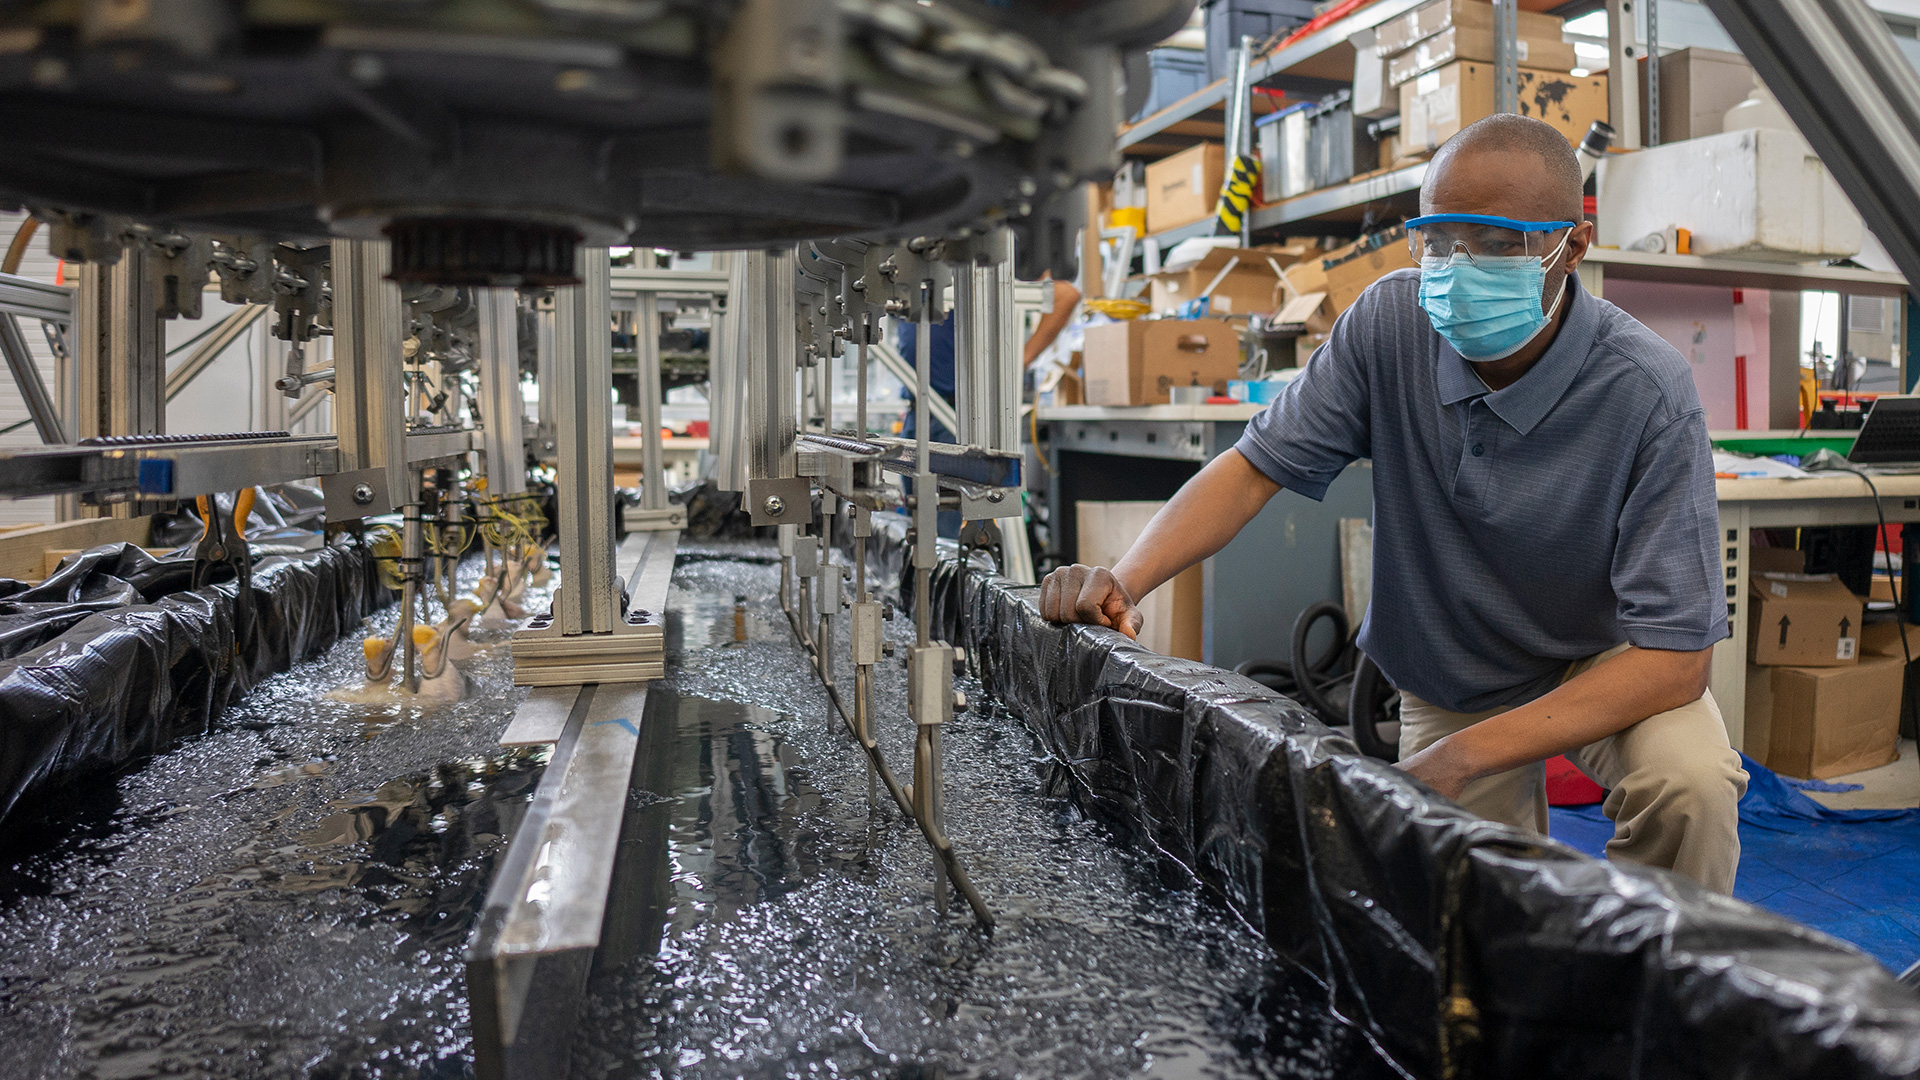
(1666, 561)
(1320, 423)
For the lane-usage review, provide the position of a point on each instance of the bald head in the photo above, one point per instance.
(1508, 165)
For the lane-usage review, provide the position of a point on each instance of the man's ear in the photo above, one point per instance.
(1578, 241)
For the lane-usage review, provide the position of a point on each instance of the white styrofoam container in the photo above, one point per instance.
(1758, 194)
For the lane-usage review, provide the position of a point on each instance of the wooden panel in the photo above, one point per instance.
(23, 551)
(1173, 611)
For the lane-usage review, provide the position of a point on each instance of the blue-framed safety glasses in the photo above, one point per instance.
(1482, 236)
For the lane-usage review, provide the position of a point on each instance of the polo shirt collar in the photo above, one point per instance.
(1524, 404)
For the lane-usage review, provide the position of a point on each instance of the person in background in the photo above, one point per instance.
(940, 346)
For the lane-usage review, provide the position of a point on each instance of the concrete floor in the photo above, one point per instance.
(1896, 784)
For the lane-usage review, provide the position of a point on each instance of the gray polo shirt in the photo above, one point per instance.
(1514, 531)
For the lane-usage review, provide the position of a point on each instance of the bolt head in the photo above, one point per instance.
(363, 494)
(775, 505)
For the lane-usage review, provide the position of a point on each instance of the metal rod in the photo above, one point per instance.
(646, 348)
(936, 838)
(1653, 72)
(26, 375)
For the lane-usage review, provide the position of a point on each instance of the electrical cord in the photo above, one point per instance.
(1826, 461)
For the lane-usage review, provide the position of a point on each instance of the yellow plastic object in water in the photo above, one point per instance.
(374, 646)
(425, 636)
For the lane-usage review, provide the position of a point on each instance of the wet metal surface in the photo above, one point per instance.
(290, 896)
(782, 930)
(287, 896)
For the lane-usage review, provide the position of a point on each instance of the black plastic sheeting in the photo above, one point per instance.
(114, 658)
(1459, 947)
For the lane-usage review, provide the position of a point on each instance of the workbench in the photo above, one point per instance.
(1286, 560)
(1748, 504)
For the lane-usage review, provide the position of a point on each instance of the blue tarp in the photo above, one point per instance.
(1854, 874)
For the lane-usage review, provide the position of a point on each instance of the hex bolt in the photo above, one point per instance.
(363, 494)
(775, 506)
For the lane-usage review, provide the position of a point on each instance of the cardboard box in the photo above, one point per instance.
(1435, 105)
(1422, 22)
(1184, 188)
(1173, 611)
(1881, 637)
(1137, 362)
(1351, 269)
(1464, 43)
(1760, 560)
(1308, 276)
(1803, 620)
(1827, 721)
(1697, 87)
(1251, 286)
(1757, 738)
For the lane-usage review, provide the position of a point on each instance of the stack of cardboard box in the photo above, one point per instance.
(1823, 693)
(1435, 64)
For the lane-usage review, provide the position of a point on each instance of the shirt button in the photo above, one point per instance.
(1478, 449)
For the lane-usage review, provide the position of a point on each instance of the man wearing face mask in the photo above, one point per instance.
(1546, 571)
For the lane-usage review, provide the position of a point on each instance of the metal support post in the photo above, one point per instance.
(1623, 82)
(646, 347)
(122, 351)
(1506, 56)
(412, 563)
(583, 380)
(543, 359)
(369, 410)
(1653, 71)
(775, 494)
(503, 411)
(726, 386)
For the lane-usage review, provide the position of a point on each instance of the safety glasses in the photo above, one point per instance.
(1483, 236)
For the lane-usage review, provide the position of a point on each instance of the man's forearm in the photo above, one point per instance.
(1207, 512)
(1603, 700)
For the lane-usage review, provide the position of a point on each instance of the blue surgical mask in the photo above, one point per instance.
(1487, 308)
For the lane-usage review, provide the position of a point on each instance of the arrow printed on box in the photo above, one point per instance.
(1784, 623)
(1845, 625)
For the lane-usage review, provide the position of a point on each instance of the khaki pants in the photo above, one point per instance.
(1673, 784)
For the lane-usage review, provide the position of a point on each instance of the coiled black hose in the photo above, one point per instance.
(1341, 685)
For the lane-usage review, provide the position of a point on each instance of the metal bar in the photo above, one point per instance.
(1653, 71)
(503, 410)
(771, 423)
(237, 322)
(1342, 197)
(187, 470)
(646, 347)
(1623, 82)
(583, 377)
(26, 376)
(32, 299)
(899, 368)
(547, 907)
(308, 402)
(1506, 56)
(369, 407)
(724, 387)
